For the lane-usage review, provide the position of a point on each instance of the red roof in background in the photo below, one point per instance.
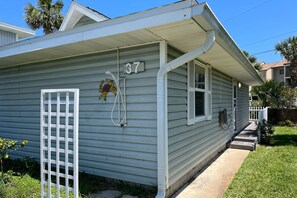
(274, 65)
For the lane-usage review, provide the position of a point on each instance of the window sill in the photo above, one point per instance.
(202, 118)
(199, 119)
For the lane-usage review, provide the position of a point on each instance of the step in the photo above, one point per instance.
(246, 139)
(243, 145)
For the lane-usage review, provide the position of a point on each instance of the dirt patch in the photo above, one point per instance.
(111, 194)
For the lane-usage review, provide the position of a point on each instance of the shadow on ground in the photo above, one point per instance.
(283, 140)
(88, 184)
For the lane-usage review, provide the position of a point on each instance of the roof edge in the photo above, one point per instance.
(21, 32)
(211, 22)
(85, 11)
(80, 33)
(167, 14)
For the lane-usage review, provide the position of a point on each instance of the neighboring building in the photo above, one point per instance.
(276, 71)
(192, 74)
(11, 34)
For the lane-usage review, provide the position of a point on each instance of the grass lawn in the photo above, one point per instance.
(270, 171)
(22, 181)
(20, 186)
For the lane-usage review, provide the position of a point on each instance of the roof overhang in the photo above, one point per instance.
(182, 25)
(21, 32)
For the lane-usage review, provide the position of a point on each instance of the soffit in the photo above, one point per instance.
(185, 35)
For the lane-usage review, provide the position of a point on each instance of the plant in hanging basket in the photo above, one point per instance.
(105, 87)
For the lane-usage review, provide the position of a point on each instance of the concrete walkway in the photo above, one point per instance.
(215, 179)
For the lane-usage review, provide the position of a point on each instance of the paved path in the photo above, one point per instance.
(214, 181)
(250, 130)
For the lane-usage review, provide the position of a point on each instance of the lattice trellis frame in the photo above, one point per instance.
(59, 120)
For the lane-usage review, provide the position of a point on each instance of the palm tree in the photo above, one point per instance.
(288, 49)
(46, 15)
(253, 60)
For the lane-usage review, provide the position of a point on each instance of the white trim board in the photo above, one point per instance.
(75, 12)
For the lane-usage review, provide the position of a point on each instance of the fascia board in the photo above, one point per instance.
(208, 21)
(160, 16)
(93, 15)
(67, 17)
(84, 11)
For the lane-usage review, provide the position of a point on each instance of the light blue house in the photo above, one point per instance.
(10, 33)
(184, 85)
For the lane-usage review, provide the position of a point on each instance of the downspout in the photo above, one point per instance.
(162, 129)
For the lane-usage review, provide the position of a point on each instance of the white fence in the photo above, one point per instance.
(59, 142)
(258, 113)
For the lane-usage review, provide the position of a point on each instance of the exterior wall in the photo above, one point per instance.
(269, 74)
(7, 37)
(263, 74)
(276, 74)
(242, 117)
(290, 77)
(194, 146)
(128, 153)
(289, 71)
(84, 21)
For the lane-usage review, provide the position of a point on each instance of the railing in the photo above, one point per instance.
(258, 114)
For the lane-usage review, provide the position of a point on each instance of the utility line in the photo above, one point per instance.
(264, 52)
(244, 12)
(269, 38)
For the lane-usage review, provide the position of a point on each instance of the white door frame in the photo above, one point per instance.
(234, 104)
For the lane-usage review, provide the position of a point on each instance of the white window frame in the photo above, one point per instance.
(192, 119)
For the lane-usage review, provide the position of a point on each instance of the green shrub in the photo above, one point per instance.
(288, 123)
(7, 146)
(20, 186)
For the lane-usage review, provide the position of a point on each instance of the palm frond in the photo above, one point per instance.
(46, 15)
(32, 17)
(58, 5)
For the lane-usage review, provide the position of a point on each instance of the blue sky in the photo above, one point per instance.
(255, 25)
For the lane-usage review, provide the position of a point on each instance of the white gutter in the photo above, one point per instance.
(162, 129)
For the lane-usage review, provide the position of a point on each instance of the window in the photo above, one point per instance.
(199, 92)
(281, 71)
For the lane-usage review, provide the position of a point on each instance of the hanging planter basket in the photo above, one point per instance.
(105, 87)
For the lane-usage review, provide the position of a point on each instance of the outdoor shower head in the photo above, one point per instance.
(108, 73)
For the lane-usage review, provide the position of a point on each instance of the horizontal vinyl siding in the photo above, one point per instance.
(7, 37)
(190, 145)
(243, 107)
(128, 153)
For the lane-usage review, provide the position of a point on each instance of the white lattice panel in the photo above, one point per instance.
(59, 112)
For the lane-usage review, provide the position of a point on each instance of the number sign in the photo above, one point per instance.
(134, 67)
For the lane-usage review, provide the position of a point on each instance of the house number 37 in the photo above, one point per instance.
(134, 67)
